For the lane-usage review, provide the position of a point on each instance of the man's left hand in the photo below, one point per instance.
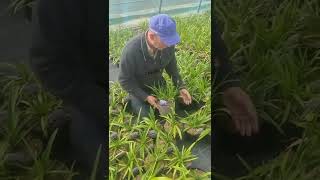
(186, 97)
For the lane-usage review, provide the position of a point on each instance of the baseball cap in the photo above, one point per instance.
(165, 27)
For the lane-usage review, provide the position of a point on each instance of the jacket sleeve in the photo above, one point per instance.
(173, 71)
(127, 79)
(224, 75)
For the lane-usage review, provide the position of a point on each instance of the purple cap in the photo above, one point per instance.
(164, 26)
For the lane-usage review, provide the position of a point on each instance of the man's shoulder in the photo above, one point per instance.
(133, 44)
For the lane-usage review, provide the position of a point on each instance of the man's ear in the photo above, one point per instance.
(152, 36)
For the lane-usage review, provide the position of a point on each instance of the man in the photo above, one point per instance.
(243, 113)
(141, 66)
(143, 60)
(68, 56)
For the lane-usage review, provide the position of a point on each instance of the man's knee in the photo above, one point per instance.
(144, 112)
(139, 107)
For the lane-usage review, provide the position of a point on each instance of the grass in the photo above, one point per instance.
(25, 111)
(270, 45)
(117, 42)
(157, 157)
(26, 136)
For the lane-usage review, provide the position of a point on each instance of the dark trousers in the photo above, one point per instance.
(86, 101)
(143, 107)
(138, 106)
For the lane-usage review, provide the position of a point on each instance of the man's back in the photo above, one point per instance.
(69, 57)
(70, 33)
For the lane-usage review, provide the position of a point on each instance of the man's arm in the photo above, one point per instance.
(173, 72)
(242, 110)
(224, 75)
(127, 78)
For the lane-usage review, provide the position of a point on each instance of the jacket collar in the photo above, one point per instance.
(144, 46)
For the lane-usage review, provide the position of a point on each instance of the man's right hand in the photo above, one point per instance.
(153, 101)
(242, 110)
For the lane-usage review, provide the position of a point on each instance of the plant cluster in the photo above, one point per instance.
(28, 116)
(274, 46)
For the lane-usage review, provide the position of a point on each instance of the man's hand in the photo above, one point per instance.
(184, 94)
(242, 110)
(153, 101)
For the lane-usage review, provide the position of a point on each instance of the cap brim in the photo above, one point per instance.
(171, 40)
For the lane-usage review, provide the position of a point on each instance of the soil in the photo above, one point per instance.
(254, 150)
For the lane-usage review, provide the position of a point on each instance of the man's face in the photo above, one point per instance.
(157, 43)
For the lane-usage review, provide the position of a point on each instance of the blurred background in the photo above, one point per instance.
(129, 11)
